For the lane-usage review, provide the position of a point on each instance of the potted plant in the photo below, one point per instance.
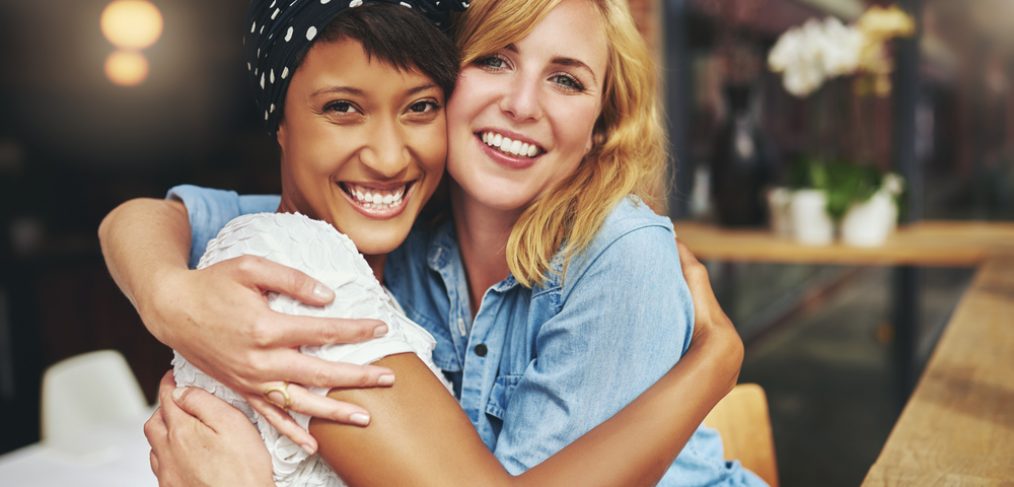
(858, 199)
(869, 220)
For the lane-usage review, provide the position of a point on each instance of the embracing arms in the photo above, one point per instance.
(419, 435)
(218, 318)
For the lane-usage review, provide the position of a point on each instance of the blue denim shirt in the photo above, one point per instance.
(537, 368)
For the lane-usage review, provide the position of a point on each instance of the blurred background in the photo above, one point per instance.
(98, 109)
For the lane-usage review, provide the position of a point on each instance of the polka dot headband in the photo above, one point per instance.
(281, 30)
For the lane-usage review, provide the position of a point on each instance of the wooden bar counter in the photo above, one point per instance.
(958, 426)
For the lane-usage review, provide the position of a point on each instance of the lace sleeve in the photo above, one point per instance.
(317, 249)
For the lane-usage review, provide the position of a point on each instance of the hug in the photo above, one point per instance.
(465, 279)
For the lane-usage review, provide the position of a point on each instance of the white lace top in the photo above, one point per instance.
(317, 249)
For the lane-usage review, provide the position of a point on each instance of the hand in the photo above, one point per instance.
(218, 318)
(200, 440)
(712, 327)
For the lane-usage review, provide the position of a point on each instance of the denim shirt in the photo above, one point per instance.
(537, 368)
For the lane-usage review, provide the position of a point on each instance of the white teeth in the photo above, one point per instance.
(509, 146)
(516, 148)
(376, 199)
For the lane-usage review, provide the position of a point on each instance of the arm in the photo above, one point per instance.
(420, 436)
(225, 327)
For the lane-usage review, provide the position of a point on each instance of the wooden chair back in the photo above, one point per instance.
(743, 422)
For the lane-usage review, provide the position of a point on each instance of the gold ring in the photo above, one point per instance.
(283, 389)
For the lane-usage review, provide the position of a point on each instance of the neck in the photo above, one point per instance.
(376, 263)
(482, 237)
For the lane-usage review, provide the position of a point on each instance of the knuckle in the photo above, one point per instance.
(247, 265)
(262, 333)
(319, 376)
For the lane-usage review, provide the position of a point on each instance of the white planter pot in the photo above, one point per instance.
(779, 211)
(869, 223)
(811, 225)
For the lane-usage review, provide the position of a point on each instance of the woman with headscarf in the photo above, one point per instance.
(548, 142)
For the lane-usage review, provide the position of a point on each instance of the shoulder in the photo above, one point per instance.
(312, 246)
(631, 238)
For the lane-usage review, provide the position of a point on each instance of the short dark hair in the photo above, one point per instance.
(399, 36)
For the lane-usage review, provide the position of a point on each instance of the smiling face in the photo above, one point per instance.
(363, 144)
(521, 118)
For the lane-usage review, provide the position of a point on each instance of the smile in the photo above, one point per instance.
(508, 146)
(376, 202)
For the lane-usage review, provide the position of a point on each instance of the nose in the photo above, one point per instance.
(386, 154)
(522, 101)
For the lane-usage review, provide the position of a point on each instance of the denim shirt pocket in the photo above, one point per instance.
(500, 396)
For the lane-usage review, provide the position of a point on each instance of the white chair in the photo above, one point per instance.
(85, 391)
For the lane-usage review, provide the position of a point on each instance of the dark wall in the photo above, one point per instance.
(73, 145)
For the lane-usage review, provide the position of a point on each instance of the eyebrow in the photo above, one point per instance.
(562, 61)
(358, 92)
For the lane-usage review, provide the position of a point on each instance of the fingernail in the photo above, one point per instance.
(380, 331)
(362, 419)
(321, 291)
(386, 380)
(178, 393)
(308, 448)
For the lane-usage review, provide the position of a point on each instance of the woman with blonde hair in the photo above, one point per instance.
(553, 292)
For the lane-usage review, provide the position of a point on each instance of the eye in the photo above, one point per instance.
(494, 62)
(567, 82)
(341, 107)
(424, 106)
(423, 111)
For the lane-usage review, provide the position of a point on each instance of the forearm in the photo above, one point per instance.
(419, 424)
(143, 241)
(637, 445)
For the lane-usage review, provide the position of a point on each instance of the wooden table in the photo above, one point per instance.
(957, 428)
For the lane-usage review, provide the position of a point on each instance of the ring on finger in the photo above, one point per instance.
(281, 388)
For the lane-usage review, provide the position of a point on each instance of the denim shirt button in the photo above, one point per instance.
(481, 349)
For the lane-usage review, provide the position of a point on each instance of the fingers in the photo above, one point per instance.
(271, 276)
(158, 438)
(694, 271)
(283, 423)
(311, 404)
(214, 412)
(293, 366)
(153, 461)
(292, 331)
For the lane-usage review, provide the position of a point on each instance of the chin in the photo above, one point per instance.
(500, 195)
(378, 242)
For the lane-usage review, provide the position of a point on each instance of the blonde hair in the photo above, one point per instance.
(629, 153)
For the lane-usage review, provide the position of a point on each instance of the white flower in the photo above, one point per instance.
(840, 47)
(814, 52)
(893, 184)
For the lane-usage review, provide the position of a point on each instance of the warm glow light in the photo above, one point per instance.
(131, 24)
(126, 68)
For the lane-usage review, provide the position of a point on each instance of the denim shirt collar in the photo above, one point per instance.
(444, 257)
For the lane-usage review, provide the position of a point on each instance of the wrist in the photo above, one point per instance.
(723, 348)
(157, 296)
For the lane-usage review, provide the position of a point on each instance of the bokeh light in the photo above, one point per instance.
(126, 68)
(131, 24)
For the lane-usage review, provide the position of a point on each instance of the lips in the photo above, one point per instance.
(377, 201)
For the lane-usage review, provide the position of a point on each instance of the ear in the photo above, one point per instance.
(280, 134)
